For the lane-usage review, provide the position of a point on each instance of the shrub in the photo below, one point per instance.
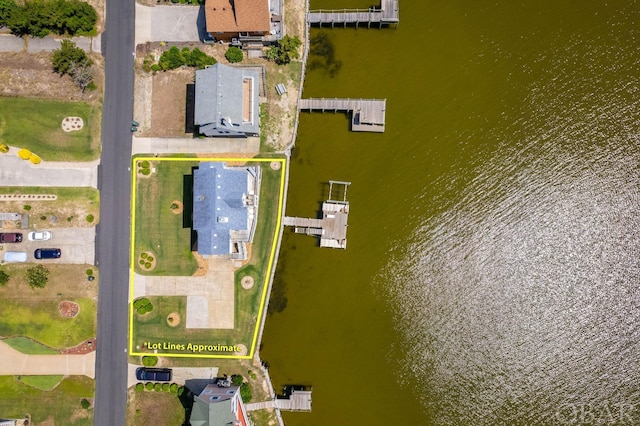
(27, 207)
(234, 54)
(165, 387)
(237, 379)
(24, 153)
(35, 159)
(253, 375)
(147, 265)
(157, 387)
(173, 388)
(146, 172)
(43, 217)
(144, 255)
(139, 387)
(90, 218)
(148, 386)
(145, 164)
(150, 258)
(89, 272)
(37, 276)
(85, 403)
(144, 309)
(173, 206)
(141, 262)
(180, 390)
(245, 392)
(70, 218)
(4, 278)
(4, 148)
(143, 301)
(149, 360)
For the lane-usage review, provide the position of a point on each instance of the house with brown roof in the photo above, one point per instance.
(237, 19)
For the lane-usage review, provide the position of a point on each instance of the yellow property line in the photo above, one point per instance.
(272, 254)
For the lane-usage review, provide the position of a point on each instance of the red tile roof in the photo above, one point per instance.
(234, 16)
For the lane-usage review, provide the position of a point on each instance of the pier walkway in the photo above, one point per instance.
(297, 401)
(386, 14)
(367, 115)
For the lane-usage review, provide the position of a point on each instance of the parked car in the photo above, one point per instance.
(15, 256)
(10, 237)
(154, 374)
(47, 253)
(39, 235)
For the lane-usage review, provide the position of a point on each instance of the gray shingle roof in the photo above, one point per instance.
(219, 101)
(217, 206)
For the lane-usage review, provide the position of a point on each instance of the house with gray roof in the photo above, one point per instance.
(218, 405)
(227, 101)
(225, 208)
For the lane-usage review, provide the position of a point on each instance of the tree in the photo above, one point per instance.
(171, 59)
(6, 7)
(37, 276)
(285, 51)
(4, 278)
(68, 57)
(200, 60)
(82, 75)
(39, 17)
(234, 54)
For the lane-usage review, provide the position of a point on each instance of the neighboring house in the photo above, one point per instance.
(218, 406)
(225, 208)
(234, 19)
(227, 101)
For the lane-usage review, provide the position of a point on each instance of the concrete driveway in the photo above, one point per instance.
(248, 146)
(77, 246)
(15, 363)
(168, 23)
(47, 44)
(180, 374)
(17, 172)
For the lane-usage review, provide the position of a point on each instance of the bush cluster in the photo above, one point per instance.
(142, 305)
(38, 18)
(144, 167)
(176, 58)
(72, 60)
(158, 387)
(234, 54)
(149, 361)
(285, 50)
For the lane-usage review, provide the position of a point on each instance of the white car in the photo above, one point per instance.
(39, 235)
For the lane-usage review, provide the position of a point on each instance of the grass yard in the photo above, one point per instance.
(28, 346)
(45, 383)
(71, 207)
(154, 408)
(60, 406)
(36, 125)
(34, 313)
(158, 230)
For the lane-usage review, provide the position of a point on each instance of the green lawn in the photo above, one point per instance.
(41, 382)
(28, 346)
(39, 319)
(153, 326)
(158, 230)
(154, 408)
(35, 124)
(60, 406)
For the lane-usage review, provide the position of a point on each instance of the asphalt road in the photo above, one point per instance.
(113, 233)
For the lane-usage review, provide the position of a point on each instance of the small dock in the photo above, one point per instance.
(367, 115)
(386, 14)
(296, 399)
(332, 228)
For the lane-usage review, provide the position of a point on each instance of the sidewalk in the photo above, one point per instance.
(16, 363)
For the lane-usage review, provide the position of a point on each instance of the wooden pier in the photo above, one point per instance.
(332, 228)
(299, 400)
(367, 115)
(386, 14)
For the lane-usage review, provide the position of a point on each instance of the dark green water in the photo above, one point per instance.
(491, 274)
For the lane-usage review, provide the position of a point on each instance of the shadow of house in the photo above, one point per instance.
(225, 208)
(227, 101)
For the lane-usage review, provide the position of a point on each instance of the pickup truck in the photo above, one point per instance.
(10, 237)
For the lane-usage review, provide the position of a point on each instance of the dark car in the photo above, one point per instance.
(154, 374)
(11, 237)
(47, 253)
